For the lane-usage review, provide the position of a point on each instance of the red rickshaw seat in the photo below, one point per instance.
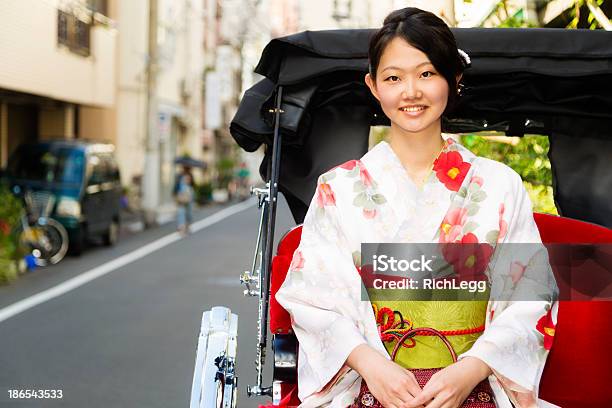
(578, 366)
(577, 369)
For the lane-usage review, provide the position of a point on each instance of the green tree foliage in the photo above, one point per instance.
(581, 6)
(528, 157)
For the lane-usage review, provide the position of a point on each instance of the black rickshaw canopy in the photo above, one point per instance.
(554, 82)
(299, 57)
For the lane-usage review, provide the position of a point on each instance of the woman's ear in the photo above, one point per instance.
(371, 83)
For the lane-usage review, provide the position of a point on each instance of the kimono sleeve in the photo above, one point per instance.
(322, 293)
(520, 324)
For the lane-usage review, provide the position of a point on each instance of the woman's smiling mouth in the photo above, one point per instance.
(413, 110)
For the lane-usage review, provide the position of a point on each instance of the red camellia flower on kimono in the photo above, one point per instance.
(451, 169)
(546, 326)
(452, 224)
(325, 195)
(468, 257)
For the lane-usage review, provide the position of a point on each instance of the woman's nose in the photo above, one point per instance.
(411, 91)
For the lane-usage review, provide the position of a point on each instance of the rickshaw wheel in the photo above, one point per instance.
(214, 378)
(219, 403)
(230, 394)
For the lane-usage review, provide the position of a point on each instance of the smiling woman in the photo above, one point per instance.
(415, 77)
(420, 187)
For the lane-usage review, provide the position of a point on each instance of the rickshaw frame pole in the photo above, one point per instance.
(264, 275)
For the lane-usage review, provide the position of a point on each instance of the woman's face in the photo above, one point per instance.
(411, 92)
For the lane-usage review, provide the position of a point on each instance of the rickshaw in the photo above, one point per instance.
(313, 111)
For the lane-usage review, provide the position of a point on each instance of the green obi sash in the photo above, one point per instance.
(430, 351)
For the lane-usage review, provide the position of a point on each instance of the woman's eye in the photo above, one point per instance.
(393, 78)
(427, 74)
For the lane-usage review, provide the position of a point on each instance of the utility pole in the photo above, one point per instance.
(151, 176)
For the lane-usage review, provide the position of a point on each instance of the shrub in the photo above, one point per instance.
(528, 156)
(10, 211)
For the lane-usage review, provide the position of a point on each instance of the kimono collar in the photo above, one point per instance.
(450, 166)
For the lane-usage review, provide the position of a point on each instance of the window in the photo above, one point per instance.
(47, 164)
(111, 168)
(97, 170)
(74, 33)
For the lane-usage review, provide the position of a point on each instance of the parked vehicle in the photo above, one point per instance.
(78, 180)
(312, 111)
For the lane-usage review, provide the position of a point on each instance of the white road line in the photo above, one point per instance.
(88, 276)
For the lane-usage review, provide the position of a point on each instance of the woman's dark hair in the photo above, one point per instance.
(426, 32)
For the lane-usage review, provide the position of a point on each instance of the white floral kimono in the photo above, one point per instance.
(465, 199)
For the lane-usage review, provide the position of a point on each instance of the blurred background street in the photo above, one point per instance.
(127, 339)
(114, 137)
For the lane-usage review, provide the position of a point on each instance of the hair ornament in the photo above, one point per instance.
(465, 58)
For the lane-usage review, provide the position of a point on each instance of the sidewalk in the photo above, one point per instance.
(133, 221)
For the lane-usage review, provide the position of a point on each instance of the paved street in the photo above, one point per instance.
(127, 338)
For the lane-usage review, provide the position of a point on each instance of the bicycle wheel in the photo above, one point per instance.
(47, 240)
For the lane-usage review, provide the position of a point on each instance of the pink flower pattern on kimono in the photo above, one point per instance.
(349, 165)
(367, 197)
(297, 263)
(365, 177)
(325, 195)
(369, 214)
(450, 229)
(517, 270)
(503, 225)
(477, 180)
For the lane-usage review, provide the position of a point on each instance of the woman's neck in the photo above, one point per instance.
(416, 151)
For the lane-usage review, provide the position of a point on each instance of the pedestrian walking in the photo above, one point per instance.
(184, 195)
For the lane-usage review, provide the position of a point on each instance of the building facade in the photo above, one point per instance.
(40, 42)
(332, 14)
(90, 69)
(173, 76)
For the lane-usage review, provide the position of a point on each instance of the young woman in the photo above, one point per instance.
(420, 187)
